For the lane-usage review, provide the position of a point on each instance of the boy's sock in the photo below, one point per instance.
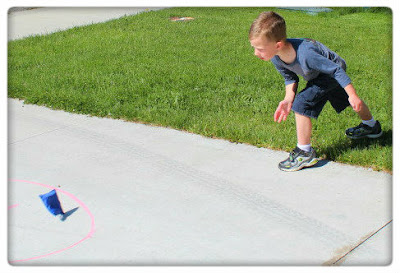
(370, 123)
(306, 148)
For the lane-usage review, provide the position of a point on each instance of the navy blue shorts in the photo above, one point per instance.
(310, 101)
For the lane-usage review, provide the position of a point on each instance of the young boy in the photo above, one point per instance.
(325, 73)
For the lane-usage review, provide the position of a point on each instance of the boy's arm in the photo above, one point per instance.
(289, 76)
(291, 83)
(324, 65)
(291, 90)
(315, 61)
(284, 107)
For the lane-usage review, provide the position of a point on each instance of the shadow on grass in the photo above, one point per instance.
(334, 151)
(331, 153)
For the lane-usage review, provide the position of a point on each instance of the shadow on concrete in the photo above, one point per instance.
(321, 163)
(68, 214)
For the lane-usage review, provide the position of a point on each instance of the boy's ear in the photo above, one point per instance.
(279, 45)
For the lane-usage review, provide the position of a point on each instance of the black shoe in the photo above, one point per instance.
(298, 159)
(362, 131)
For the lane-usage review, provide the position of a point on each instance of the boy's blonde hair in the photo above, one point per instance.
(268, 24)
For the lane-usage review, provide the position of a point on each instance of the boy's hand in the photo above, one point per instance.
(282, 111)
(355, 102)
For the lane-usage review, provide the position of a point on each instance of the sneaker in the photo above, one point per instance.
(298, 159)
(362, 131)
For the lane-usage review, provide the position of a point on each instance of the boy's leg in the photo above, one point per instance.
(369, 127)
(303, 128)
(306, 105)
(299, 158)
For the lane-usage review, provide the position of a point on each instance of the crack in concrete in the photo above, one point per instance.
(38, 134)
(340, 258)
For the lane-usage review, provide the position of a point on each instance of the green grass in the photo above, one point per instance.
(201, 76)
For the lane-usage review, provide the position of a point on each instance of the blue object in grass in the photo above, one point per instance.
(52, 203)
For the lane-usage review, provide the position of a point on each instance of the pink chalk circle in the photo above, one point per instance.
(73, 197)
(13, 206)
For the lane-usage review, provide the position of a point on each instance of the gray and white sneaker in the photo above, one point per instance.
(298, 159)
(363, 131)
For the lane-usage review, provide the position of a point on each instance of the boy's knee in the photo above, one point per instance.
(303, 115)
(307, 109)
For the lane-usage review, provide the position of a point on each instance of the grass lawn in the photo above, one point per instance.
(201, 76)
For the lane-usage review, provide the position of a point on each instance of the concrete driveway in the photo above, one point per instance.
(144, 195)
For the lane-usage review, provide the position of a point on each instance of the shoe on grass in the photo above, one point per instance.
(363, 131)
(298, 159)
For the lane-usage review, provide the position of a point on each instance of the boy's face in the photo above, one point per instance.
(263, 48)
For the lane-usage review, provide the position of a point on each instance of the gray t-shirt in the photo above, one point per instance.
(312, 58)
